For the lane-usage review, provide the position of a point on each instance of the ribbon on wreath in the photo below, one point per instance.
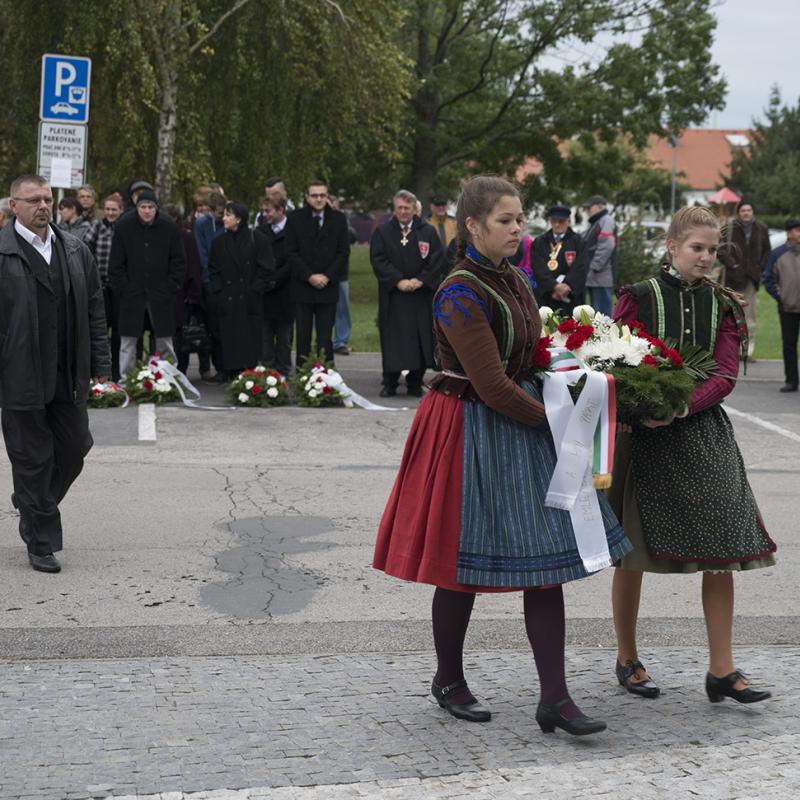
(182, 385)
(584, 439)
(349, 397)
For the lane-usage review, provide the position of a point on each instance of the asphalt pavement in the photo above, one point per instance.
(217, 630)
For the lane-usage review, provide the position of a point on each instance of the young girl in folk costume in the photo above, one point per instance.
(679, 485)
(467, 512)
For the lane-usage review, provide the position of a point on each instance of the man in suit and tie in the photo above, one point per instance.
(54, 339)
(317, 248)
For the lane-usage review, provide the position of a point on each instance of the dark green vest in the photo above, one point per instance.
(670, 309)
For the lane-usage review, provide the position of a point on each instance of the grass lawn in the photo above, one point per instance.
(364, 311)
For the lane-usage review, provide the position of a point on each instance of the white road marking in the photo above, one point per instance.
(147, 422)
(770, 426)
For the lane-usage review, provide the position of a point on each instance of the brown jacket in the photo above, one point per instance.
(481, 357)
(744, 260)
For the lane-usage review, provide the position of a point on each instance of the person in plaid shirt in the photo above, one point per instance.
(98, 240)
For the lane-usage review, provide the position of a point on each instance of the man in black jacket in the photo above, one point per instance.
(146, 270)
(317, 248)
(557, 265)
(278, 307)
(54, 335)
(407, 258)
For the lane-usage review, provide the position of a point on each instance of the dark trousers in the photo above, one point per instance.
(790, 328)
(277, 345)
(46, 448)
(113, 330)
(413, 379)
(214, 352)
(310, 316)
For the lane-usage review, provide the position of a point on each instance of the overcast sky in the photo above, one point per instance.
(756, 45)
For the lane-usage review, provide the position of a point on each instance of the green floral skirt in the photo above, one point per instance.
(682, 496)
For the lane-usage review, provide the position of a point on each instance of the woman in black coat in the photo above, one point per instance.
(240, 266)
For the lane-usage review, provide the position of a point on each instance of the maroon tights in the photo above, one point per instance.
(544, 624)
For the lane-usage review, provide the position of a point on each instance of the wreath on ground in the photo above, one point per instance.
(149, 382)
(107, 395)
(259, 387)
(310, 387)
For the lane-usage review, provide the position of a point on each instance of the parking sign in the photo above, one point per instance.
(65, 88)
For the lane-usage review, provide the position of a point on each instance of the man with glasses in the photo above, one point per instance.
(317, 249)
(53, 328)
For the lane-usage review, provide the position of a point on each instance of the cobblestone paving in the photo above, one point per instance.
(313, 727)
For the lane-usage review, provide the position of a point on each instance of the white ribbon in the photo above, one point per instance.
(571, 487)
(349, 397)
(182, 384)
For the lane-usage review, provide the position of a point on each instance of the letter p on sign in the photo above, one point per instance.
(65, 75)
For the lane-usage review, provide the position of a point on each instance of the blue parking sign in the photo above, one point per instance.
(65, 88)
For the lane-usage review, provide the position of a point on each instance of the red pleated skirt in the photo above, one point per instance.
(420, 529)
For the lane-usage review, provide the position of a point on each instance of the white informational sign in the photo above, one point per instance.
(61, 173)
(63, 142)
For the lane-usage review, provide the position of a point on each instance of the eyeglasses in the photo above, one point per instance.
(320, 195)
(35, 201)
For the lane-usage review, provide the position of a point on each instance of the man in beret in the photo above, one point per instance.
(146, 270)
(556, 263)
(443, 223)
(782, 281)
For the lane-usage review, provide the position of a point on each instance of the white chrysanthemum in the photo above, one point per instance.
(272, 392)
(308, 385)
(545, 312)
(272, 381)
(313, 393)
(249, 385)
(144, 375)
(259, 369)
(243, 398)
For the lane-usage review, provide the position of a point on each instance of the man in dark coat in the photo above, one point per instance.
(278, 306)
(556, 263)
(146, 269)
(53, 329)
(744, 250)
(408, 260)
(317, 247)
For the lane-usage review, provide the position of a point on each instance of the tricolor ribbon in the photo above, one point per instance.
(584, 440)
(349, 397)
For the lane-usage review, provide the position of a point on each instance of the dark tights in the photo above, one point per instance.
(544, 624)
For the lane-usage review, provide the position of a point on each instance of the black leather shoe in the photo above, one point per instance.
(788, 387)
(549, 718)
(48, 563)
(415, 391)
(472, 712)
(387, 391)
(720, 688)
(625, 674)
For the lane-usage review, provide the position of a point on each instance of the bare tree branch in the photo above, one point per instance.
(216, 26)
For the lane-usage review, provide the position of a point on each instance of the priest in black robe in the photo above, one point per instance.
(408, 260)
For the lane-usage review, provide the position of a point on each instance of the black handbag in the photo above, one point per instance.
(194, 334)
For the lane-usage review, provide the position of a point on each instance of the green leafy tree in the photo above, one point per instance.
(768, 172)
(487, 93)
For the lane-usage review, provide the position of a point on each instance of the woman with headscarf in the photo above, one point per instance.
(240, 265)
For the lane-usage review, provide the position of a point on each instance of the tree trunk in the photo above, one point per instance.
(167, 129)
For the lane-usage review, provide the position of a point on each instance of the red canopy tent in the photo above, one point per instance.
(724, 195)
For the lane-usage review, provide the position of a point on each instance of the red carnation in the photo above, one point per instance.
(158, 376)
(575, 340)
(541, 357)
(327, 390)
(585, 330)
(568, 326)
(98, 391)
(675, 358)
(637, 326)
(650, 361)
(148, 386)
(256, 390)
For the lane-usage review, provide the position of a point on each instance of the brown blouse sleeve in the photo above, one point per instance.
(470, 335)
